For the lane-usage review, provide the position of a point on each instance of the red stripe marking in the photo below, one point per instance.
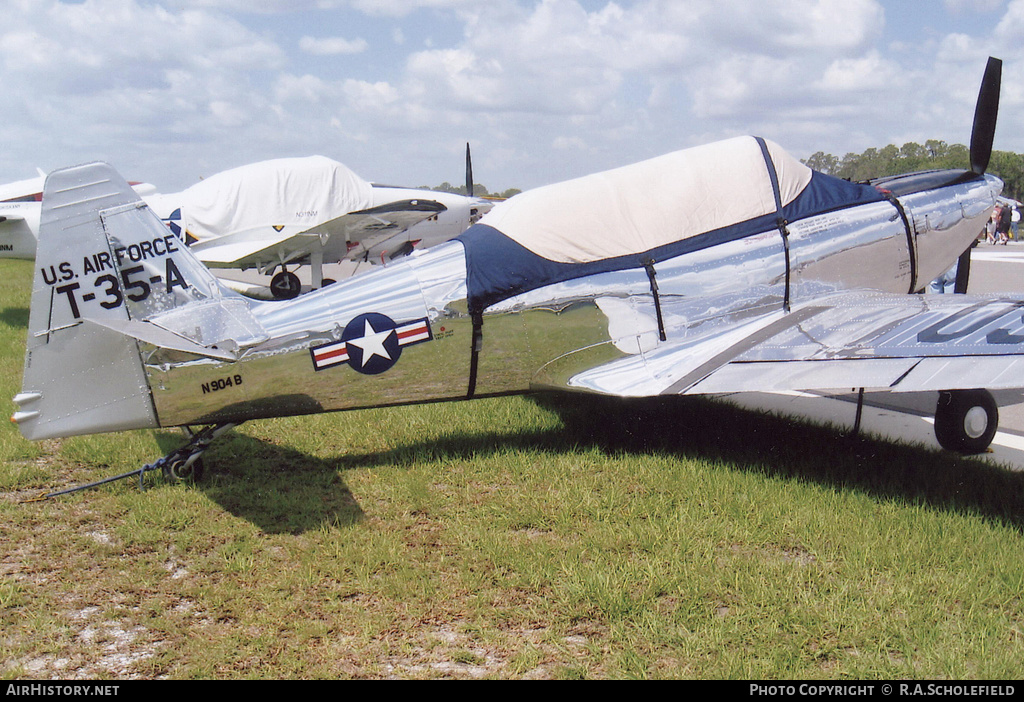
(327, 355)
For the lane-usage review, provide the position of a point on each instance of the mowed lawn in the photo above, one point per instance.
(520, 537)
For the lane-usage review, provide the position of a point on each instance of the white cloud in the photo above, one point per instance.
(228, 114)
(114, 79)
(185, 86)
(369, 97)
(974, 6)
(332, 46)
(401, 8)
(302, 89)
(861, 74)
(564, 143)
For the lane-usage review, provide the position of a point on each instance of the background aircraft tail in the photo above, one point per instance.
(104, 266)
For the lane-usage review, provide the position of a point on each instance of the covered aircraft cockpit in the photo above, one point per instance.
(288, 192)
(643, 213)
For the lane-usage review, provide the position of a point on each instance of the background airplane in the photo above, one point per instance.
(285, 212)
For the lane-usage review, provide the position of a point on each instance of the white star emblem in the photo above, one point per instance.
(372, 343)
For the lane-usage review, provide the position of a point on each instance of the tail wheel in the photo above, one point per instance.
(175, 470)
(966, 420)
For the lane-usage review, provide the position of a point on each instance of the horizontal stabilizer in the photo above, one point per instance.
(152, 334)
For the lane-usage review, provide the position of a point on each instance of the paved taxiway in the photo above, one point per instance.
(907, 417)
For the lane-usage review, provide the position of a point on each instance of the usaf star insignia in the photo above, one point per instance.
(371, 343)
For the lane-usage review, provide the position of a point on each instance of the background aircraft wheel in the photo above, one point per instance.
(285, 286)
(176, 472)
(328, 281)
(966, 420)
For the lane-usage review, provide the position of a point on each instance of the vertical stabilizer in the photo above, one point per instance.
(104, 263)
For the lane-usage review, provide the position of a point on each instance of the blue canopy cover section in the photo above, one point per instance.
(500, 267)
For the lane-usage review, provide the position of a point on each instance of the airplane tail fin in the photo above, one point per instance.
(106, 269)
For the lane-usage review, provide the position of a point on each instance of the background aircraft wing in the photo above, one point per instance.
(346, 237)
(365, 229)
(19, 223)
(839, 342)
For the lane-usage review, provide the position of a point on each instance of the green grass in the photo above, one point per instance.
(544, 537)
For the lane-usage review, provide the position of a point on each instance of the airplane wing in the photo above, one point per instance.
(19, 223)
(344, 238)
(367, 228)
(843, 341)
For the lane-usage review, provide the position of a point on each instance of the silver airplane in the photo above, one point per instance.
(724, 268)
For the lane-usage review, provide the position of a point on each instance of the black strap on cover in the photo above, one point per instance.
(649, 267)
(781, 222)
(911, 248)
(476, 344)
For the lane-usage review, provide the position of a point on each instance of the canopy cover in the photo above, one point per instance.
(646, 205)
(641, 214)
(278, 193)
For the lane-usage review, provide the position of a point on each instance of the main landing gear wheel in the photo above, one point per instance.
(966, 420)
(285, 286)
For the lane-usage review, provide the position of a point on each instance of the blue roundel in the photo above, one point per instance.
(173, 221)
(372, 343)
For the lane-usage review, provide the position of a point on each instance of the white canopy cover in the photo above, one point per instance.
(282, 193)
(642, 206)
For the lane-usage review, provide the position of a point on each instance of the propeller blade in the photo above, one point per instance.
(985, 116)
(469, 172)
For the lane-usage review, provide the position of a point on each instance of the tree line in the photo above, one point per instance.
(893, 160)
(478, 190)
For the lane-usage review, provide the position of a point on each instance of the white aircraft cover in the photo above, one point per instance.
(282, 192)
(639, 207)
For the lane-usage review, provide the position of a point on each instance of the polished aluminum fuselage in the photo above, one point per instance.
(542, 338)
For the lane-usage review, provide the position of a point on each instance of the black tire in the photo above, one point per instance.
(327, 281)
(175, 472)
(285, 286)
(966, 420)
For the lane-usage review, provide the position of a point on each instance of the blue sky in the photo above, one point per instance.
(169, 91)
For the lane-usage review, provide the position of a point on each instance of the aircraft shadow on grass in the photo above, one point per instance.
(276, 488)
(311, 491)
(15, 317)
